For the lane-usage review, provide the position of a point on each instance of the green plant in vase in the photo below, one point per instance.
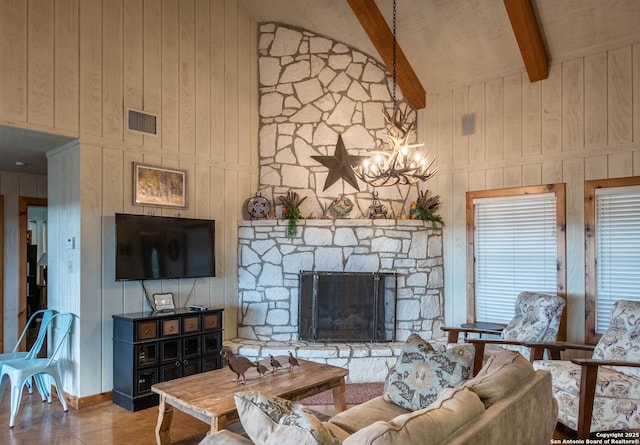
(426, 207)
(291, 211)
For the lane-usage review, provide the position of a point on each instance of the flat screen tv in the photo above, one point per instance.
(159, 247)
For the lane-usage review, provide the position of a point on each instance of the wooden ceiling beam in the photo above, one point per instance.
(527, 32)
(381, 36)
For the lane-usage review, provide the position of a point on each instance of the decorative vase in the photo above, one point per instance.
(342, 206)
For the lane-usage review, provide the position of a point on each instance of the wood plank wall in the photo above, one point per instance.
(582, 123)
(74, 67)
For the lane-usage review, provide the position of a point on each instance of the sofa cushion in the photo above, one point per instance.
(421, 373)
(452, 410)
(503, 372)
(271, 420)
(361, 416)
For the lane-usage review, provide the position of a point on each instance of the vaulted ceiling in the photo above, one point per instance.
(453, 43)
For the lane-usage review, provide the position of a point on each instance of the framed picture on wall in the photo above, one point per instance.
(159, 186)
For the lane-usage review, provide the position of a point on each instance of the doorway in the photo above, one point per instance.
(33, 263)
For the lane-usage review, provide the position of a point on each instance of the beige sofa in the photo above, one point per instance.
(507, 402)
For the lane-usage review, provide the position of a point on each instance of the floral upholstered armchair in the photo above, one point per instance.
(601, 393)
(536, 319)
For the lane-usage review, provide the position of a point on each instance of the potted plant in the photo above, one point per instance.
(426, 207)
(291, 211)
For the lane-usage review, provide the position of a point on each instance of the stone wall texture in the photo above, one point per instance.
(311, 90)
(269, 264)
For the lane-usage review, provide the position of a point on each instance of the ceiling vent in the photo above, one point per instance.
(143, 122)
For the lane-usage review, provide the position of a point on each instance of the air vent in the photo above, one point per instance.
(144, 122)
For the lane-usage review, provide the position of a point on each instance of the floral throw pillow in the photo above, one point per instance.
(421, 373)
(271, 420)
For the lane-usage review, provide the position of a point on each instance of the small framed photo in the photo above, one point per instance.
(159, 186)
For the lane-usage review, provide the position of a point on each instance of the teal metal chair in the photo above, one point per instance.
(35, 349)
(18, 372)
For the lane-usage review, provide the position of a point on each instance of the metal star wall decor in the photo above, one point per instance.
(340, 165)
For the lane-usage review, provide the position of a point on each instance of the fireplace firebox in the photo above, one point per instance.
(347, 306)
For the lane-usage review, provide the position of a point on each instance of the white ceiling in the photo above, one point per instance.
(449, 43)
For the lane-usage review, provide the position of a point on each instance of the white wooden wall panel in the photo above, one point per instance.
(619, 85)
(88, 250)
(531, 118)
(552, 172)
(231, 123)
(636, 90)
(552, 110)
(152, 67)
(573, 176)
(245, 39)
(460, 142)
(187, 77)
(133, 41)
(494, 120)
(595, 167)
(477, 139)
(218, 79)
(91, 67)
(512, 176)
(572, 105)
(112, 70)
(202, 79)
(445, 129)
(595, 100)
(13, 61)
(531, 174)
(576, 125)
(512, 103)
(66, 66)
(620, 164)
(40, 62)
(170, 75)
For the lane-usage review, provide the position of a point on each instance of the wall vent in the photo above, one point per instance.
(143, 122)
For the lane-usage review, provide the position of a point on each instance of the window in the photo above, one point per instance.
(612, 257)
(516, 243)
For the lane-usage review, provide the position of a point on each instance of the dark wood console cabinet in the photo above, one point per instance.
(153, 347)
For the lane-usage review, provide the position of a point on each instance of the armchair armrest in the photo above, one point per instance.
(588, 379)
(537, 349)
(453, 333)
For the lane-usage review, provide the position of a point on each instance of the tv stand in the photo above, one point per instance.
(153, 347)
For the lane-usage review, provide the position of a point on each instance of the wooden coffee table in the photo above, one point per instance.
(209, 396)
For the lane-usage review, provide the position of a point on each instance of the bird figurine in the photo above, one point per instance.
(275, 364)
(262, 369)
(293, 362)
(237, 364)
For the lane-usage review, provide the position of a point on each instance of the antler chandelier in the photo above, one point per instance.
(403, 164)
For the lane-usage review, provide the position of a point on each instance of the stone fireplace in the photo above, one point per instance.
(270, 264)
(347, 306)
(312, 90)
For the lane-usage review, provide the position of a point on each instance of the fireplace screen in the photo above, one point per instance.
(347, 306)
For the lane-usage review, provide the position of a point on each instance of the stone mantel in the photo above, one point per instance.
(269, 263)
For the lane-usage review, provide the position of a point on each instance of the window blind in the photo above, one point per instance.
(617, 232)
(515, 244)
